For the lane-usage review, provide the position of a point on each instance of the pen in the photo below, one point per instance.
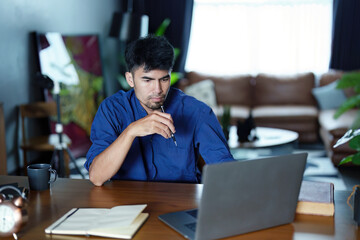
(172, 134)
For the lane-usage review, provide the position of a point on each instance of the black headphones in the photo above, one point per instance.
(9, 192)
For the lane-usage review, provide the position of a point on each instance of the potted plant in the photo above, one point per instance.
(350, 80)
(225, 121)
(353, 137)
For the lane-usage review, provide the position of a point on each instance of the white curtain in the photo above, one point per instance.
(252, 36)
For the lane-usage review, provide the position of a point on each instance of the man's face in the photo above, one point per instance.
(151, 87)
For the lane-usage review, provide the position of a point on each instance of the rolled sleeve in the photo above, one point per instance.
(210, 139)
(103, 133)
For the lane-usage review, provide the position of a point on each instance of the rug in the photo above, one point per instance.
(320, 168)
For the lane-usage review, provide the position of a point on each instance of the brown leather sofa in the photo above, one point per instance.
(331, 130)
(275, 101)
(287, 102)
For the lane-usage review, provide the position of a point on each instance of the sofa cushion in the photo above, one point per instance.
(203, 91)
(307, 130)
(327, 121)
(301, 119)
(234, 90)
(284, 90)
(328, 96)
(285, 111)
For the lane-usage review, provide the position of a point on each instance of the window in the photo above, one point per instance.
(253, 36)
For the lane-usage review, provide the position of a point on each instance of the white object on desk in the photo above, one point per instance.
(117, 222)
(267, 137)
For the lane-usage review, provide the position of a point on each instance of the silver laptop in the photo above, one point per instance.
(243, 196)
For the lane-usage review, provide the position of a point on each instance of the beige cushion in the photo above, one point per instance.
(234, 90)
(285, 111)
(284, 90)
(327, 121)
(203, 91)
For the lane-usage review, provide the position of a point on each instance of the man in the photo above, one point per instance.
(131, 136)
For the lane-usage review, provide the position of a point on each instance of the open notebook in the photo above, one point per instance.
(117, 222)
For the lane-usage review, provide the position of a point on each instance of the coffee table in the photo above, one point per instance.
(270, 142)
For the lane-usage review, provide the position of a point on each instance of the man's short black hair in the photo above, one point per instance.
(151, 52)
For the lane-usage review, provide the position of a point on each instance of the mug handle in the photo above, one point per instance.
(54, 174)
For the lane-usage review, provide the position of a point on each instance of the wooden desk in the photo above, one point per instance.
(47, 206)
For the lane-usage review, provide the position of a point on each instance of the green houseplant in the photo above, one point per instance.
(225, 121)
(353, 137)
(175, 76)
(350, 80)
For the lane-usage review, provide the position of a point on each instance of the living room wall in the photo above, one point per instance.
(18, 53)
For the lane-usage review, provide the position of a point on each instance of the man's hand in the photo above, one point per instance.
(107, 163)
(155, 122)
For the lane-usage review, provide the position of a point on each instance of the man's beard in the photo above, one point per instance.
(156, 105)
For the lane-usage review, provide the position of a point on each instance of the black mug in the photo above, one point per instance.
(40, 176)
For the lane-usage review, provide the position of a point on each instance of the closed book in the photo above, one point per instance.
(117, 222)
(316, 198)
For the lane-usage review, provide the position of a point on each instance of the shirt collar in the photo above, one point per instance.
(138, 109)
(170, 101)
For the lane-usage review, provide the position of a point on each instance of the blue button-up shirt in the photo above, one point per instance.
(153, 157)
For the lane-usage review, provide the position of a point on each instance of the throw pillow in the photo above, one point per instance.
(203, 91)
(328, 96)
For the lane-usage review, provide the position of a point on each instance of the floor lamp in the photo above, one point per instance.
(60, 146)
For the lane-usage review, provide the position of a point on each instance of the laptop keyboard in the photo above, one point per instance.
(193, 213)
(191, 226)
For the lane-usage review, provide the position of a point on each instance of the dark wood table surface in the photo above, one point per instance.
(47, 206)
